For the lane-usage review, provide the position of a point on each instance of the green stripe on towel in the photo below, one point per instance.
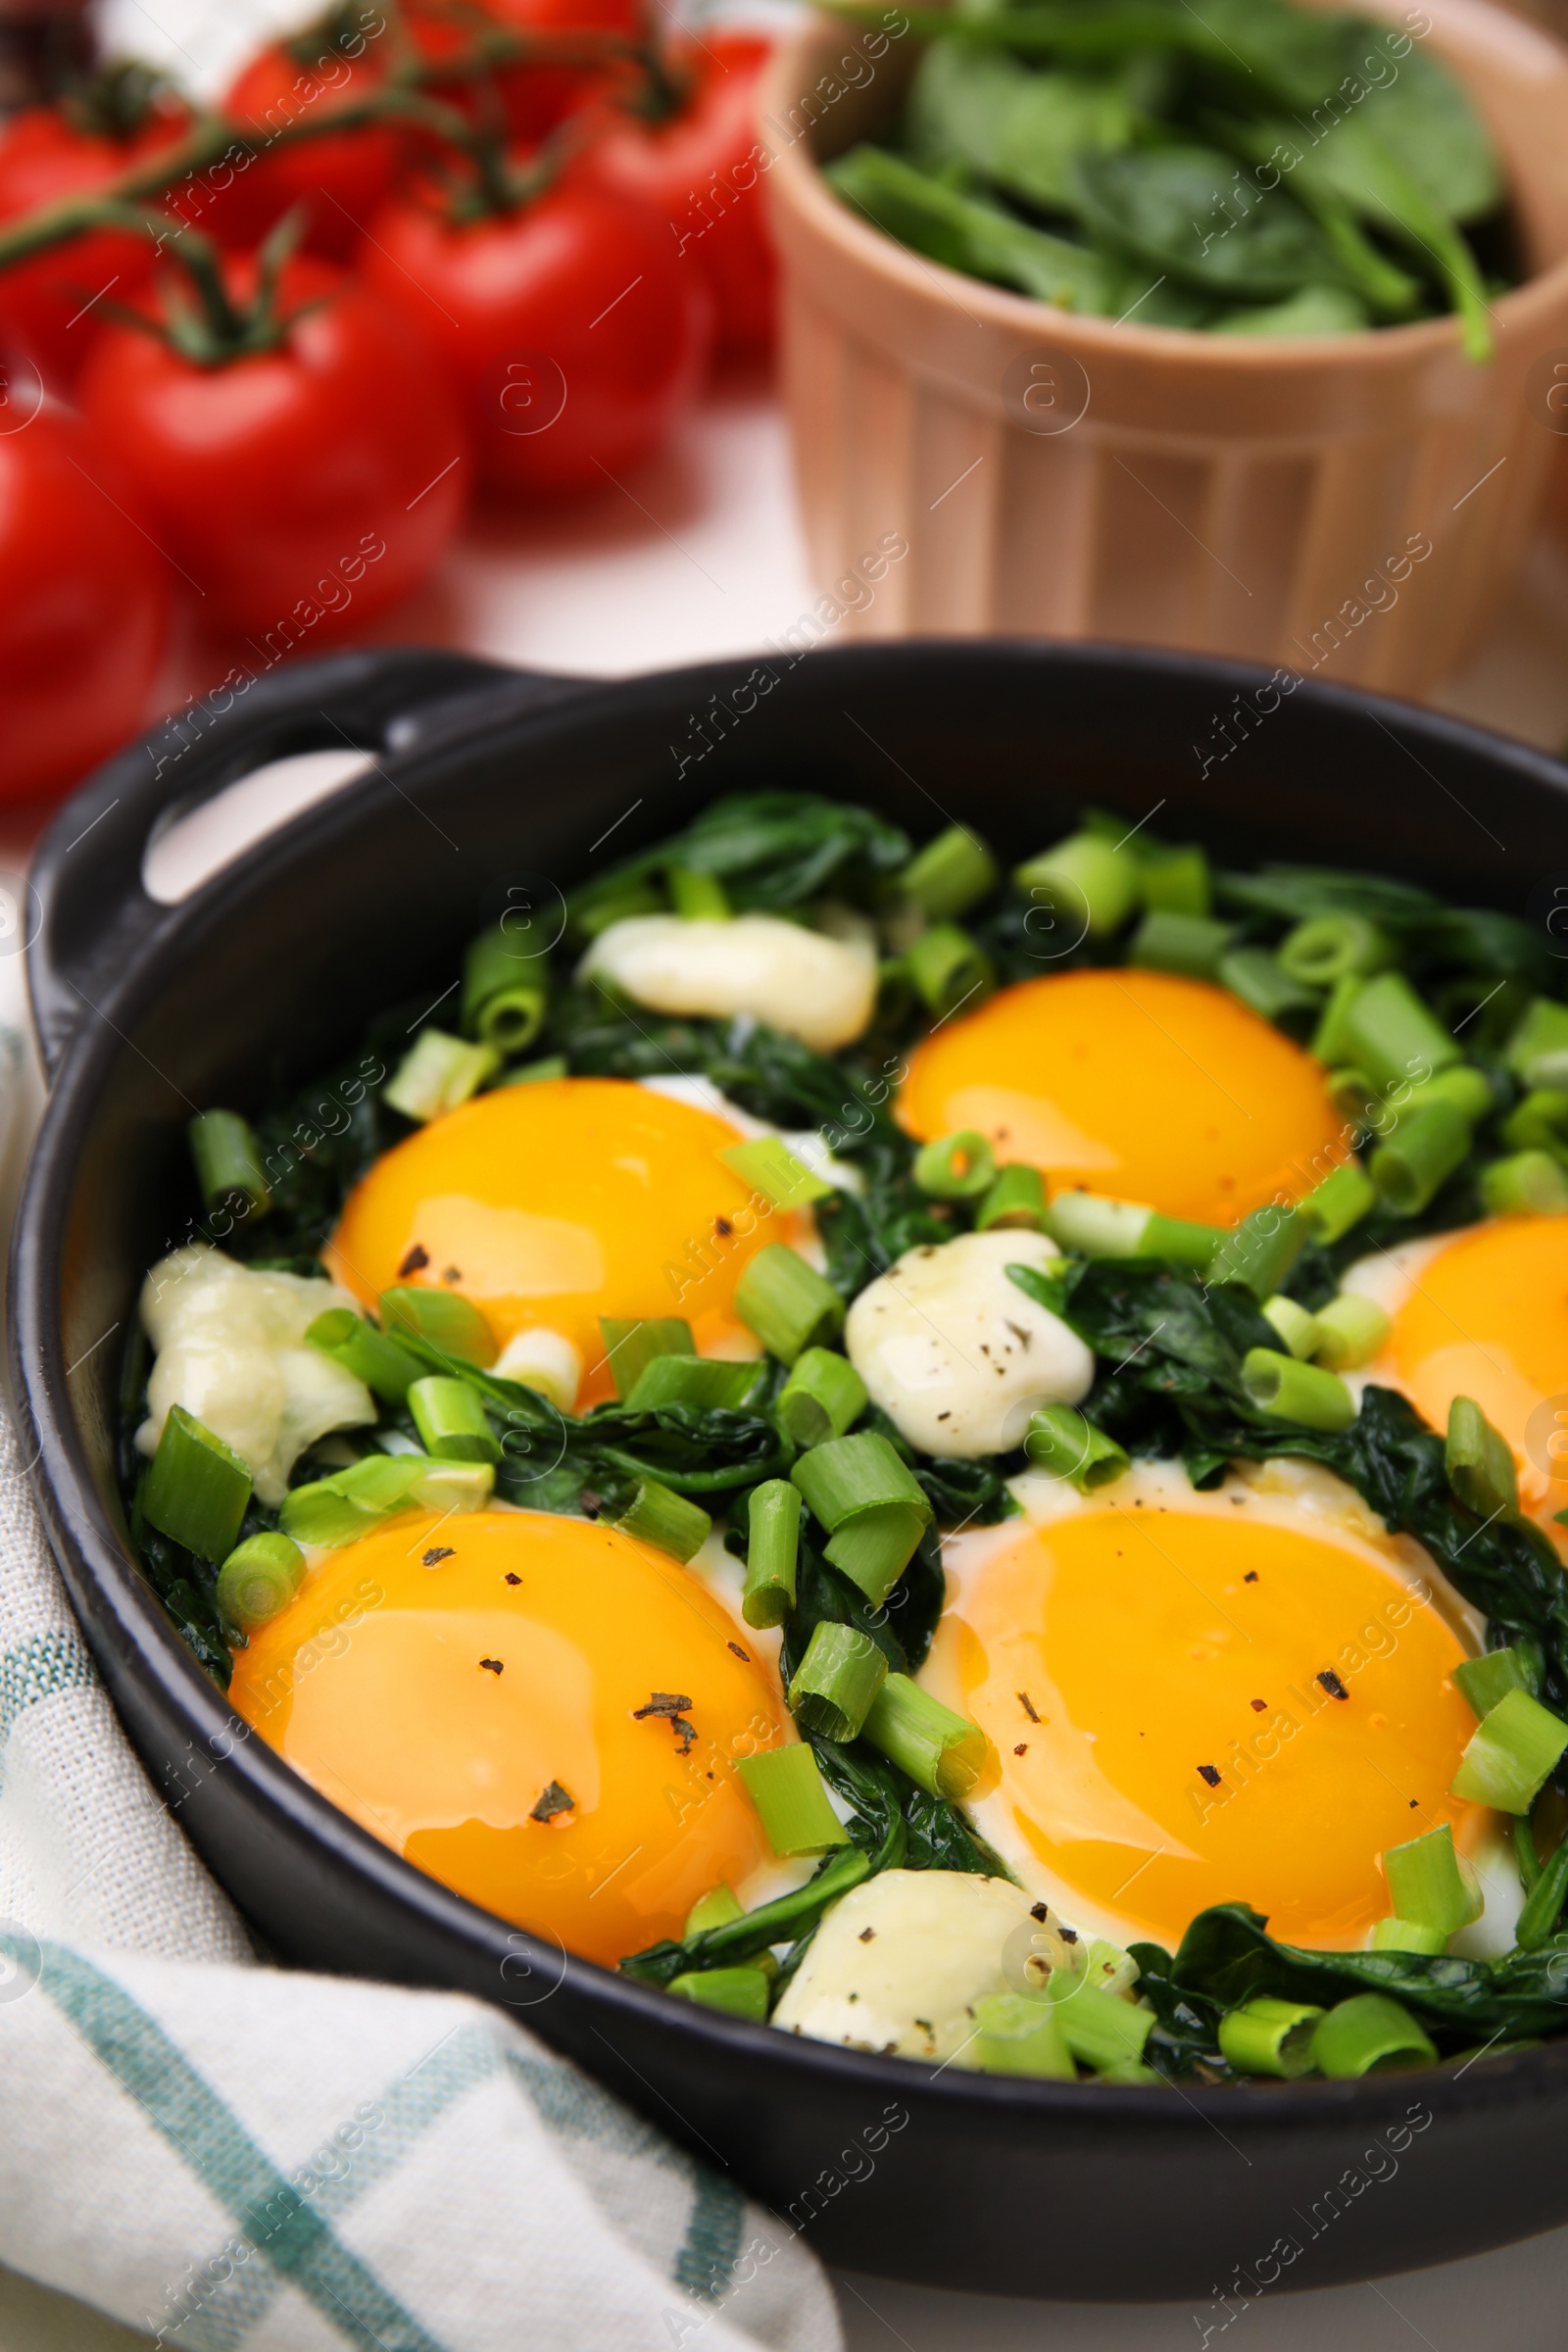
(199, 2127)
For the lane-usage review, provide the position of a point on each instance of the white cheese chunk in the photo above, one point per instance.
(230, 1348)
(817, 989)
(898, 1964)
(952, 1350)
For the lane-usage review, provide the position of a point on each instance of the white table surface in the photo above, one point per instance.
(699, 556)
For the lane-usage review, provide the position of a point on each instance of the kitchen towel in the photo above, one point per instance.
(239, 2158)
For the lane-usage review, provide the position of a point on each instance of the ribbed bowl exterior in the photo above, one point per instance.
(968, 459)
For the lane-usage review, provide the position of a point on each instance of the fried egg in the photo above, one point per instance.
(542, 1713)
(1242, 1695)
(554, 1203)
(1484, 1313)
(1138, 1083)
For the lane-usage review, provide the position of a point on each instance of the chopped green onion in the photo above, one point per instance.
(1174, 879)
(786, 1303)
(505, 992)
(1468, 1089)
(615, 900)
(949, 969)
(768, 1165)
(1485, 1679)
(849, 1476)
(1426, 1147)
(836, 1680)
(229, 1163)
(1091, 1226)
(669, 1522)
(1017, 1199)
(1403, 1935)
(551, 1065)
(1290, 1391)
(822, 1398)
(318, 1514)
(954, 873)
(714, 1909)
(1020, 2034)
(874, 1548)
(385, 1368)
(1260, 1250)
(1100, 2029)
(1064, 1444)
(444, 1319)
(336, 1510)
(772, 1552)
(1528, 1184)
(1340, 1200)
(1300, 1330)
(632, 1344)
(1538, 1051)
(258, 1580)
(450, 1419)
(943, 1754)
(1099, 878)
(1384, 1028)
(1369, 2033)
(545, 1361)
(1539, 1123)
(956, 1167)
(1194, 945)
(1253, 974)
(1432, 1885)
(1268, 2036)
(197, 1487)
(456, 1486)
(1331, 947)
(1542, 1905)
(1510, 1753)
(697, 898)
(738, 1992)
(1352, 1331)
(437, 1073)
(785, 1785)
(1480, 1462)
(708, 1381)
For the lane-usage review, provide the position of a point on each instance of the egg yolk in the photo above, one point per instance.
(1133, 1083)
(492, 1696)
(1191, 1709)
(1488, 1318)
(557, 1203)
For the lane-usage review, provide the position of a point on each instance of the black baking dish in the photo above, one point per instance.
(1072, 2191)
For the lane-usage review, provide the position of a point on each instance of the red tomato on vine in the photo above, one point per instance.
(49, 305)
(574, 334)
(298, 447)
(339, 179)
(698, 168)
(83, 599)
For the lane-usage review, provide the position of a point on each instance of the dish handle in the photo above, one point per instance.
(88, 908)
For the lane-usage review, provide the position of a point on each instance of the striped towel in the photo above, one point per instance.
(237, 2158)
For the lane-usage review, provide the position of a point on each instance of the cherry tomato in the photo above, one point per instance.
(341, 180)
(300, 487)
(47, 304)
(698, 170)
(574, 334)
(83, 599)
